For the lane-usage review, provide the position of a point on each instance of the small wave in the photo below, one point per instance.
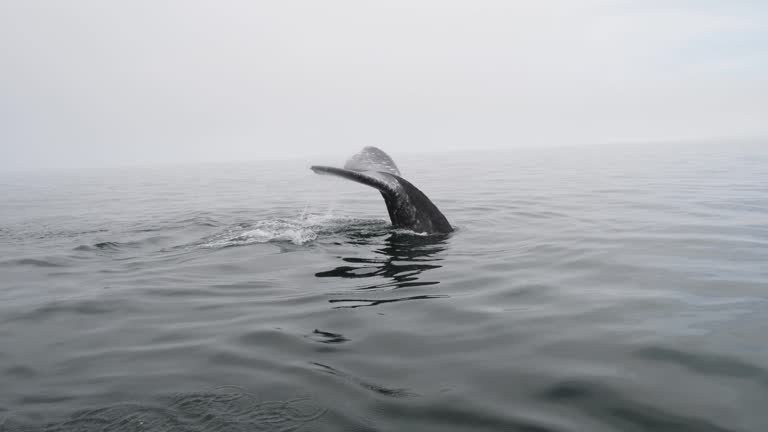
(299, 231)
(114, 246)
(33, 262)
(102, 246)
(379, 389)
(75, 307)
(224, 408)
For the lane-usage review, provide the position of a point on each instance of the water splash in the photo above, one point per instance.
(299, 230)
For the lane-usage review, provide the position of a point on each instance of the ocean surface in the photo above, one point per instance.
(585, 289)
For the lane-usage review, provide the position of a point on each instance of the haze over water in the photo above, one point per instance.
(596, 288)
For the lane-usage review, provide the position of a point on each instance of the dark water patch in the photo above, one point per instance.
(274, 338)
(243, 289)
(20, 371)
(115, 246)
(236, 360)
(41, 399)
(49, 262)
(327, 337)
(707, 364)
(106, 245)
(29, 232)
(517, 296)
(101, 246)
(522, 214)
(465, 417)
(608, 406)
(245, 285)
(179, 293)
(69, 307)
(200, 220)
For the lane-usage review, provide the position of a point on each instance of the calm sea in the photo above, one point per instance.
(586, 289)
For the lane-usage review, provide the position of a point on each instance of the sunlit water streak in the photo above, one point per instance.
(600, 289)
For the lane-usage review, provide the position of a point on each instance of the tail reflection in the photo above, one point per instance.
(356, 303)
(404, 259)
(401, 262)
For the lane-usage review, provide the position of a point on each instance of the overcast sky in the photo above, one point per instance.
(94, 82)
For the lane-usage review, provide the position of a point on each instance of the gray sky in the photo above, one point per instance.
(94, 82)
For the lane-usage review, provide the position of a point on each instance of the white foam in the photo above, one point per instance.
(299, 231)
(410, 232)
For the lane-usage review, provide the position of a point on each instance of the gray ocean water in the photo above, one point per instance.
(586, 289)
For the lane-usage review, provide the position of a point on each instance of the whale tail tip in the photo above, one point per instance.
(408, 207)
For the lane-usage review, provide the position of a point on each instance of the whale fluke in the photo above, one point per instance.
(408, 207)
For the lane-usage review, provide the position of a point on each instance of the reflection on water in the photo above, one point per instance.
(355, 303)
(402, 262)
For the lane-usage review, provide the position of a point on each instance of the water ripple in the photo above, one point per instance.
(224, 409)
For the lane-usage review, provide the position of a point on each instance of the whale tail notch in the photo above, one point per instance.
(408, 207)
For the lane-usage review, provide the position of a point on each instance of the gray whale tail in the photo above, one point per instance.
(408, 207)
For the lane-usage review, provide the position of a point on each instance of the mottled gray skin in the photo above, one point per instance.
(408, 207)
